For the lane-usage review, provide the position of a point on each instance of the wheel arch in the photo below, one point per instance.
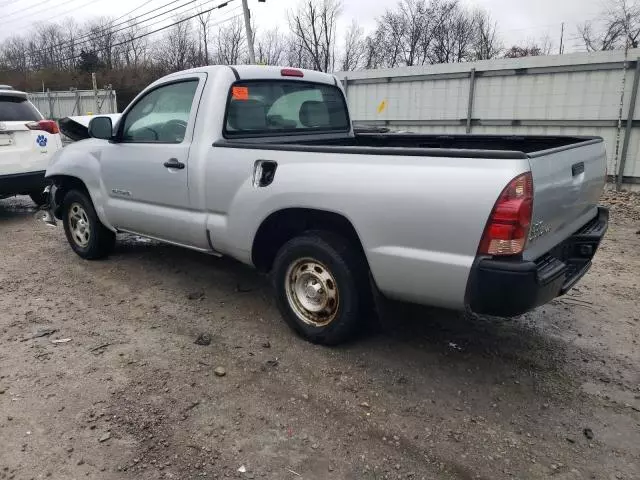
(283, 225)
(66, 183)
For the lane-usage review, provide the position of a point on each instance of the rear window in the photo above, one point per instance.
(16, 109)
(278, 107)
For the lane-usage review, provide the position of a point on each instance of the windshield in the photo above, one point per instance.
(281, 106)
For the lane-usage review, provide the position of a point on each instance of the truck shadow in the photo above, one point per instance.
(414, 333)
(16, 207)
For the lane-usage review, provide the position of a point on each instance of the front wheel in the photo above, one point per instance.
(321, 286)
(88, 237)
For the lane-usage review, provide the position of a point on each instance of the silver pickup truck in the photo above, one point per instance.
(262, 164)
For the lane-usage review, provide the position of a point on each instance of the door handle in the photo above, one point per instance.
(174, 163)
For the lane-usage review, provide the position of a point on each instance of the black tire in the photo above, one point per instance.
(38, 197)
(346, 265)
(100, 240)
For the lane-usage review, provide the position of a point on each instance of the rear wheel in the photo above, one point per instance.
(321, 286)
(88, 237)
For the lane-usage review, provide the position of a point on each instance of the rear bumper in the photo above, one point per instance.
(22, 183)
(509, 288)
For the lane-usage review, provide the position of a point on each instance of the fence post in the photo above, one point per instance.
(76, 103)
(629, 126)
(112, 100)
(94, 81)
(50, 99)
(472, 90)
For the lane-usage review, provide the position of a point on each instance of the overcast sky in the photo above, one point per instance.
(518, 20)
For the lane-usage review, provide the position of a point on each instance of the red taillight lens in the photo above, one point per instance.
(508, 226)
(48, 126)
(291, 72)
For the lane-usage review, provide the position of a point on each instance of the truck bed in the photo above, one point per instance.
(481, 146)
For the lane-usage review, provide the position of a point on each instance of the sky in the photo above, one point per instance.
(518, 20)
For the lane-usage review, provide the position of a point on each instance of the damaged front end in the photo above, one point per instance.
(50, 206)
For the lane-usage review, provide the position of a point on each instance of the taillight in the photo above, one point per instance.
(48, 126)
(508, 226)
(291, 72)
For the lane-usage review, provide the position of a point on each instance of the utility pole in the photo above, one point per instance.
(562, 40)
(247, 26)
(94, 81)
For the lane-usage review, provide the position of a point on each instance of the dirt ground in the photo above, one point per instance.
(553, 394)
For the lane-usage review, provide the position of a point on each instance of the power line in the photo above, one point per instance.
(186, 19)
(90, 2)
(94, 36)
(7, 2)
(91, 36)
(22, 17)
(27, 8)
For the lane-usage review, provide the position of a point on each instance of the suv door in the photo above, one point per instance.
(146, 169)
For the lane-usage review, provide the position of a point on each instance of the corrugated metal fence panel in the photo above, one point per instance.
(56, 105)
(534, 95)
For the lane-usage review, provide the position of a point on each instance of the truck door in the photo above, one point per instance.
(146, 169)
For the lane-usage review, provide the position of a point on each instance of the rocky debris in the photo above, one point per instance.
(44, 332)
(623, 205)
(203, 339)
(266, 344)
(104, 437)
(196, 295)
(588, 433)
(220, 372)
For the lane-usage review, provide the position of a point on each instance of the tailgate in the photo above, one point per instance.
(567, 186)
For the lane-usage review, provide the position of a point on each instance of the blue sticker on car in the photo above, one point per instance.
(42, 140)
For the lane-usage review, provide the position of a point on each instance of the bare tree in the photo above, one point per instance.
(203, 38)
(134, 50)
(520, 51)
(617, 28)
(418, 32)
(405, 34)
(13, 55)
(231, 44)
(102, 39)
(177, 50)
(487, 44)
(355, 48)
(313, 25)
(270, 47)
(453, 33)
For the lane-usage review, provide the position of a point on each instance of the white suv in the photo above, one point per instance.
(27, 142)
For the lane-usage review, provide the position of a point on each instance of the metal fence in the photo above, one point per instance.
(60, 104)
(576, 94)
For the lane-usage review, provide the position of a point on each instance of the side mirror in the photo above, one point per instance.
(101, 127)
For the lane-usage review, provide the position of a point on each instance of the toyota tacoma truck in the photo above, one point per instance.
(262, 164)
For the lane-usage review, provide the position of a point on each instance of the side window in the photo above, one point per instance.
(162, 115)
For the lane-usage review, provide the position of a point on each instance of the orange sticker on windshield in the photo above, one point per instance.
(240, 93)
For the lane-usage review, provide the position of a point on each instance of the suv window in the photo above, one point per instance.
(281, 106)
(17, 109)
(162, 115)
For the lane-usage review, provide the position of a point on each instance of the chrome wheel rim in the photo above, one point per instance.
(312, 292)
(79, 225)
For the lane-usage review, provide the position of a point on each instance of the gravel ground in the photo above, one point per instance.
(121, 390)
